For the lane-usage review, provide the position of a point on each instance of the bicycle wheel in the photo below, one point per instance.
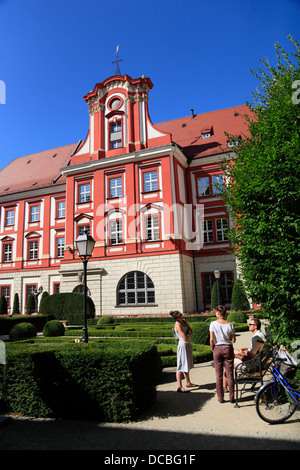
(273, 403)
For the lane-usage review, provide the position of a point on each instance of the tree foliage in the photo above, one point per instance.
(239, 299)
(263, 194)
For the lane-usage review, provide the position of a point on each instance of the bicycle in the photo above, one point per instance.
(277, 400)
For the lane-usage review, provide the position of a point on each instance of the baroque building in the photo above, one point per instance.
(149, 196)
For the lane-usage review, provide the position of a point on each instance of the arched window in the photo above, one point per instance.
(135, 288)
(79, 289)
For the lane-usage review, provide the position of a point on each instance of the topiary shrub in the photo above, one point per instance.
(16, 305)
(30, 304)
(239, 299)
(66, 303)
(44, 296)
(200, 333)
(22, 330)
(216, 298)
(106, 320)
(54, 328)
(3, 305)
(237, 317)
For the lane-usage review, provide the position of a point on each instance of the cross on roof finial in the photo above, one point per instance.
(117, 62)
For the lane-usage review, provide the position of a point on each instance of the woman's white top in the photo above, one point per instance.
(223, 332)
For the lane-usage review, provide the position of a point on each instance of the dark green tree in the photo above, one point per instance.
(16, 305)
(44, 296)
(3, 305)
(216, 296)
(263, 194)
(30, 304)
(239, 299)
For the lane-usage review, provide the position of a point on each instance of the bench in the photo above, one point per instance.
(252, 372)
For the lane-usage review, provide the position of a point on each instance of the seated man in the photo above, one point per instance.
(257, 343)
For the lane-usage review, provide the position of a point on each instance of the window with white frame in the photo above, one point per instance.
(9, 217)
(34, 213)
(84, 192)
(207, 231)
(60, 247)
(33, 248)
(150, 180)
(115, 135)
(222, 230)
(7, 252)
(217, 183)
(60, 209)
(115, 232)
(135, 288)
(84, 229)
(152, 227)
(115, 187)
(203, 186)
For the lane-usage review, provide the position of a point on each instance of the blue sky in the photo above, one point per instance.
(198, 55)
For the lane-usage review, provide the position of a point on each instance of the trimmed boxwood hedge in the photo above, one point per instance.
(39, 321)
(80, 381)
(54, 328)
(63, 305)
(22, 330)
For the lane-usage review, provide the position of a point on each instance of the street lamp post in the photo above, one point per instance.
(85, 245)
(217, 276)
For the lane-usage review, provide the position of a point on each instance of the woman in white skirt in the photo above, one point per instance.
(185, 363)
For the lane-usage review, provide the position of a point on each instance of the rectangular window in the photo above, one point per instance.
(207, 231)
(116, 232)
(56, 287)
(84, 192)
(150, 181)
(33, 250)
(208, 280)
(203, 186)
(222, 230)
(34, 214)
(60, 209)
(115, 135)
(5, 290)
(152, 227)
(10, 217)
(30, 289)
(225, 284)
(83, 229)
(60, 247)
(115, 187)
(7, 252)
(218, 183)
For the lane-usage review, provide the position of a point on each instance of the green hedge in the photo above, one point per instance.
(39, 321)
(80, 381)
(22, 330)
(238, 317)
(54, 328)
(66, 304)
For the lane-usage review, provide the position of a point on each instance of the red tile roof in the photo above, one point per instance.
(186, 132)
(43, 169)
(35, 171)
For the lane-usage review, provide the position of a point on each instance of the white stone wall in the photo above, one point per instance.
(173, 277)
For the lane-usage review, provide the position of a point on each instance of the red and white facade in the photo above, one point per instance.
(148, 195)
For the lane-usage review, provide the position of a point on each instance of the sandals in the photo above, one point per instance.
(182, 390)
